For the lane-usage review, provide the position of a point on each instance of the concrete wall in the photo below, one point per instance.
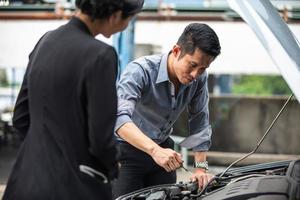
(239, 122)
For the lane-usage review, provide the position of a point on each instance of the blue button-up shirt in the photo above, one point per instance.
(146, 96)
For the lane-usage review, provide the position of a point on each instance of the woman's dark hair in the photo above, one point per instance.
(201, 36)
(101, 9)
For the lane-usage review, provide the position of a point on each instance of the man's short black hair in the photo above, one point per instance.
(101, 9)
(201, 36)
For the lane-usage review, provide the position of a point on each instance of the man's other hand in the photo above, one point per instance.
(201, 176)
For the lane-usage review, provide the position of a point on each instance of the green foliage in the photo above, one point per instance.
(260, 85)
(3, 78)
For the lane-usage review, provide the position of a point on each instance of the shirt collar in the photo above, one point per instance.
(163, 69)
(163, 75)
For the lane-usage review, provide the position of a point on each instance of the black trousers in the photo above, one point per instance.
(138, 170)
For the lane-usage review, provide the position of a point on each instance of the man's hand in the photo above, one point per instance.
(201, 176)
(169, 159)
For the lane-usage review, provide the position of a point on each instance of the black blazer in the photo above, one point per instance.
(66, 109)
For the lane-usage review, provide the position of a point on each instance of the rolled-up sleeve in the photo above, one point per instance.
(199, 117)
(129, 90)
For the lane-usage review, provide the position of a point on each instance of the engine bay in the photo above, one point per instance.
(274, 181)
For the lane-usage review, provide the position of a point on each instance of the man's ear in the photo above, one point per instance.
(176, 51)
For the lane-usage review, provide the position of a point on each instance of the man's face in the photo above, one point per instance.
(189, 67)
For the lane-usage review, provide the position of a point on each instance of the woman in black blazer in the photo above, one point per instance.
(66, 108)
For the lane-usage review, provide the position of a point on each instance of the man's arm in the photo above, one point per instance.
(201, 174)
(199, 122)
(169, 159)
(131, 87)
(200, 156)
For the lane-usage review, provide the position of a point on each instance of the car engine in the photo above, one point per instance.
(267, 181)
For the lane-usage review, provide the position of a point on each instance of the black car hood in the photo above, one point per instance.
(276, 37)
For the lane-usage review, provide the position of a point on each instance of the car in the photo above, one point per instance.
(270, 181)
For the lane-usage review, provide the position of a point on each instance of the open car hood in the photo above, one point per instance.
(275, 36)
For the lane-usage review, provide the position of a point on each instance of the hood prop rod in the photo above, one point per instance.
(249, 154)
(261, 140)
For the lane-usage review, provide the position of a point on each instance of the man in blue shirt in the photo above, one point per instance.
(152, 92)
